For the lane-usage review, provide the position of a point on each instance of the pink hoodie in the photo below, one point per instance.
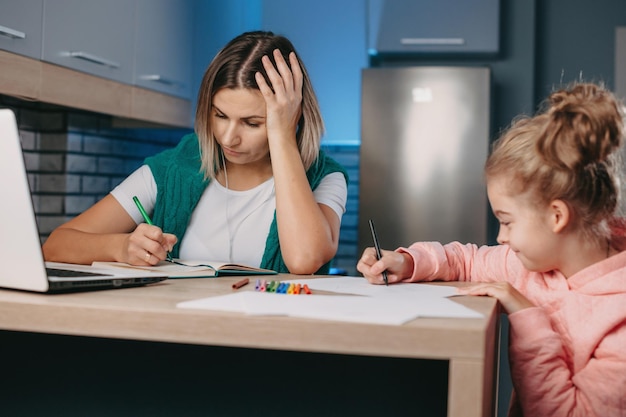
(568, 354)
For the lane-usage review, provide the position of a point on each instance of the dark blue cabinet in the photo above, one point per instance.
(20, 27)
(434, 26)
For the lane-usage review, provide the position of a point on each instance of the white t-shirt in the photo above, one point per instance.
(226, 225)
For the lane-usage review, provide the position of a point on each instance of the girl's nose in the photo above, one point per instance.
(502, 239)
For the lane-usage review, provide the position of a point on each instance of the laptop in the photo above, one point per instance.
(22, 265)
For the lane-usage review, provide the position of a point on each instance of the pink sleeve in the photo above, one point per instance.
(544, 381)
(457, 262)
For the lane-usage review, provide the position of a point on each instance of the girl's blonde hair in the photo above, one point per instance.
(569, 151)
(234, 67)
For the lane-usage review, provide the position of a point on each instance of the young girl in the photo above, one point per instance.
(250, 186)
(560, 268)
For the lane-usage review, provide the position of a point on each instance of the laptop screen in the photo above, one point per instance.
(21, 257)
(20, 248)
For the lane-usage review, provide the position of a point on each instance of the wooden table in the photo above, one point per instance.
(150, 314)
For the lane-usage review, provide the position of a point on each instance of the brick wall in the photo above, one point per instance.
(347, 256)
(75, 158)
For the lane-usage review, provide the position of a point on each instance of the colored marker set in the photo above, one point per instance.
(281, 287)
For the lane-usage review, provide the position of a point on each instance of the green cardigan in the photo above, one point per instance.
(180, 184)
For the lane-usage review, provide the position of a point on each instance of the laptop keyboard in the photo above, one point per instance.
(66, 273)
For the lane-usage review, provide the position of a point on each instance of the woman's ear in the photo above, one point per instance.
(560, 215)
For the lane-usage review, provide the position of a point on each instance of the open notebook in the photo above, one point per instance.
(178, 268)
(22, 261)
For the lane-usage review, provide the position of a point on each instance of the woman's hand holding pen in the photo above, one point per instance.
(398, 266)
(147, 245)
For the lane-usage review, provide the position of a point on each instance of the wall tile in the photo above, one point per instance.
(97, 145)
(95, 184)
(28, 139)
(72, 183)
(32, 161)
(53, 142)
(74, 142)
(76, 204)
(51, 183)
(78, 163)
(52, 162)
(49, 204)
(110, 165)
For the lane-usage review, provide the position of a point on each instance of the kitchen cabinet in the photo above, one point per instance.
(163, 46)
(21, 26)
(92, 36)
(433, 26)
(84, 54)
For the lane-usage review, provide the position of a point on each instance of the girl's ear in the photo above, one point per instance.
(560, 215)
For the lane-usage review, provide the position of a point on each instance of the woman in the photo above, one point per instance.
(250, 186)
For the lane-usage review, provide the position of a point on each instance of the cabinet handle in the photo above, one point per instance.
(432, 41)
(12, 33)
(93, 58)
(161, 79)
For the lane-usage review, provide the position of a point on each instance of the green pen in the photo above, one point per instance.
(147, 219)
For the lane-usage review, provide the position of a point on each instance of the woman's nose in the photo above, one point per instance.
(230, 136)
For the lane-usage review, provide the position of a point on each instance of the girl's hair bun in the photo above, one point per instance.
(585, 127)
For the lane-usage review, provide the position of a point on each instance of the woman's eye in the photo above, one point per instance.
(220, 116)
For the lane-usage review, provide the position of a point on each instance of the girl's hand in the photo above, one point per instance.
(511, 299)
(398, 266)
(284, 103)
(147, 245)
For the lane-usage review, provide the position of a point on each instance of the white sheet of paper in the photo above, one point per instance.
(363, 302)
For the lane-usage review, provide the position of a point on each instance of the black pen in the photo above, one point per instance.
(378, 252)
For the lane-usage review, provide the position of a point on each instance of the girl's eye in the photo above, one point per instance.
(220, 116)
(252, 124)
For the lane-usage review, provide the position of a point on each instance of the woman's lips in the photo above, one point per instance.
(229, 151)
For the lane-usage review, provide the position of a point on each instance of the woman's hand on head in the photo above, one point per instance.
(511, 299)
(147, 245)
(284, 103)
(397, 264)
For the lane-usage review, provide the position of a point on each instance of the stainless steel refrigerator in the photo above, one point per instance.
(424, 140)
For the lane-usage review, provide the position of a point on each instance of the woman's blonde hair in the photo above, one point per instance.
(234, 67)
(568, 151)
